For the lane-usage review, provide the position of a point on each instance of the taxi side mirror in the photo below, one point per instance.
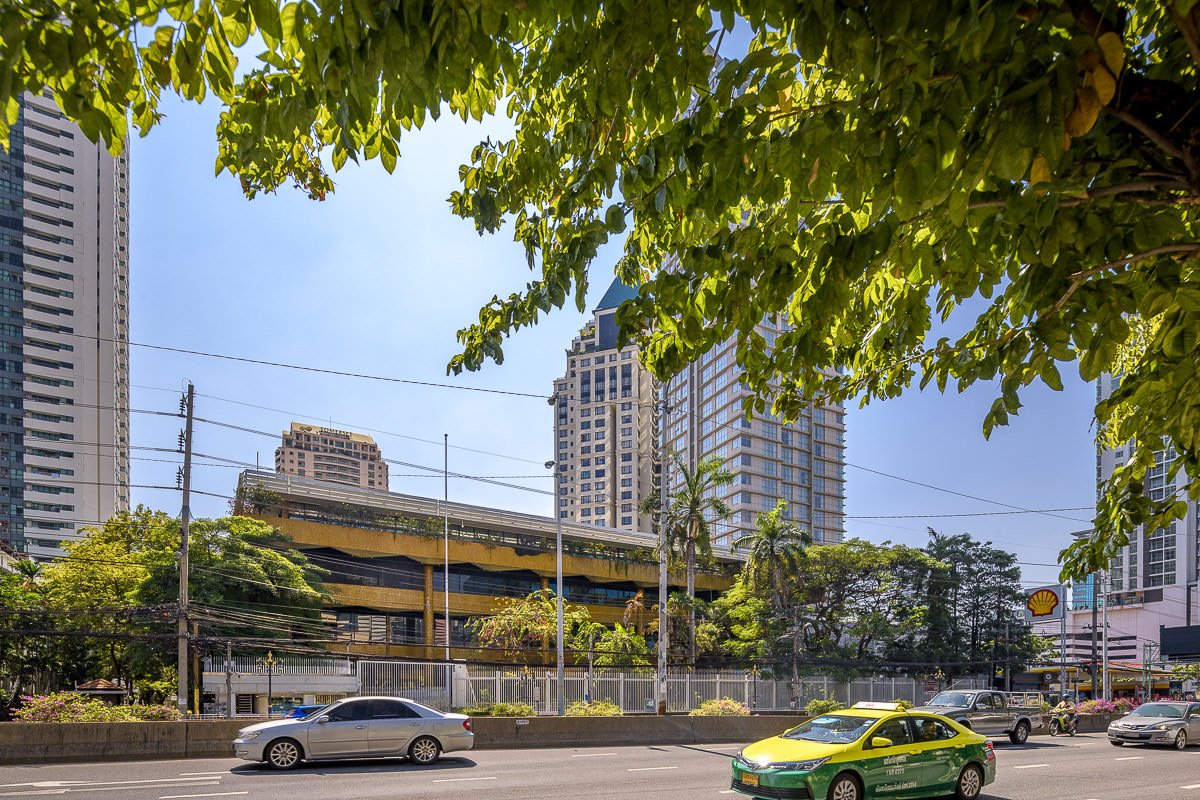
(880, 741)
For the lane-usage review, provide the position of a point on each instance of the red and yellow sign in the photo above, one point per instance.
(1044, 603)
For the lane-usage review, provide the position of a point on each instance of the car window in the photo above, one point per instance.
(1174, 710)
(391, 709)
(984, 701)
(353, 710)
(837, 728)
(957, 699)
(932, 730)
(896, 730)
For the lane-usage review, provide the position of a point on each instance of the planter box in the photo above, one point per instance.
(44, 742)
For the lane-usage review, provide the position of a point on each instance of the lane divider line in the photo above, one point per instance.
(1129, 758)
(456, 780)
(591, 755)
(1030, 766)
(647, 769)
(214, 794)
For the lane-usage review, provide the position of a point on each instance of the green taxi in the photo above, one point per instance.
(872, 750)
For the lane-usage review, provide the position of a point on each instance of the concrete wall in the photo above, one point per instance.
(25, 743)
(31, 743)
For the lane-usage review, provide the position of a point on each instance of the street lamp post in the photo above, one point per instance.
(269, 662)
(558, 590)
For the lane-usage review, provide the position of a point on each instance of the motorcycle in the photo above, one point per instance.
(1063, 723)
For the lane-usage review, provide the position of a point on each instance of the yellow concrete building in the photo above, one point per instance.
(385, 555)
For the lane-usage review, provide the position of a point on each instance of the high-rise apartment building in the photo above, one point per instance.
(1152, 580)
(606, 437)
(802, 462)
(325, 454)
(64, 322)
(603, 425)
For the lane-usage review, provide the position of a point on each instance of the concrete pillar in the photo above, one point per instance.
(428, 607)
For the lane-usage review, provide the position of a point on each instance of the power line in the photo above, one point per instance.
(976, 514)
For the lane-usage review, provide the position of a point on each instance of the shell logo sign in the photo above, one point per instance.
(1044, 603)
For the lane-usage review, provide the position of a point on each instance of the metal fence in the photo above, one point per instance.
(444, 686)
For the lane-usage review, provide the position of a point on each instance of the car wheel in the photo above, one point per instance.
(970, 783)
(845, 787)
(424, 750)
(1115, 743)
(1181, 740)
(283, 754)
(1020, 733)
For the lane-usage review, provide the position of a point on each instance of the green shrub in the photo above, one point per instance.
(71, 707)
(481, 710)
(511, 710)
(596, 708)
(818, 707)
(724, 707)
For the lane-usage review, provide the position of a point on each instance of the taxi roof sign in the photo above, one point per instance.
(880, 706)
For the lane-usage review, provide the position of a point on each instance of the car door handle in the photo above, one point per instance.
(414, 724)
(914, 752)
(359, 727)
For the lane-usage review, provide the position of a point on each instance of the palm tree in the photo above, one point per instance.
(776, 547)
(690, 512)
(30, 570)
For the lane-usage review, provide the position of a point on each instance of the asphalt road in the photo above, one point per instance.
(1086, 767)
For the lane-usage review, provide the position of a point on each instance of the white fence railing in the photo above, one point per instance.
(444, 686)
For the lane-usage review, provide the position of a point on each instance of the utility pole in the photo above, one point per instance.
(186, 406)
(229, 680)
(1104, 599)
(662, 560)
(1095, 631)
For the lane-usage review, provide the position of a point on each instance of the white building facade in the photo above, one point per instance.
(64, 322)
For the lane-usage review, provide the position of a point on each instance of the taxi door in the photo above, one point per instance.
(895, 769)
(940, 749)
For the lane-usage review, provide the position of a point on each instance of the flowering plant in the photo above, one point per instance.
(1098, 706)
(71, 707)
(724, 707)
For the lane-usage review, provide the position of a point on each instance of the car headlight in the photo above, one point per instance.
(799, 766)
(247, 735)
(1166, 726)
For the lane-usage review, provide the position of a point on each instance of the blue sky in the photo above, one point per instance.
(378, 278)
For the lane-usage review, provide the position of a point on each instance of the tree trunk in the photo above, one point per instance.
(691, 590)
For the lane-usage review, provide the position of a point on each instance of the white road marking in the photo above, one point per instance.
(591, 755)
(185, 774)
(1031, 766)
(214, 794)
(82, 784)
(1129, 758)
(1192, 786)
(647, 769)
(33, 792)
(454, 780)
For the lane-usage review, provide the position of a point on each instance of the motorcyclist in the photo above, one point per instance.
(1066, 710)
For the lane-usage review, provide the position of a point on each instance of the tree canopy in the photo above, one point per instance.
(858, 171)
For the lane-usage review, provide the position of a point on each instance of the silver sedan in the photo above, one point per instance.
(357, 727)
(1173, 723)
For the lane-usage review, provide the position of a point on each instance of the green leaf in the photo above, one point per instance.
(266, 16)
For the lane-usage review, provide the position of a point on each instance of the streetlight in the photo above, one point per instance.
(269, 662)
(558, 589)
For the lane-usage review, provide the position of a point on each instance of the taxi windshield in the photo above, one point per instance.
(954, 699)
(832, 728)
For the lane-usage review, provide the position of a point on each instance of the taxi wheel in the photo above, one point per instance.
(845, 787)
(1019, 733)
(1181, 740)
(970, 783)
(283, 754)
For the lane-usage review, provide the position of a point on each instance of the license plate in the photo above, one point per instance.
(750, 779)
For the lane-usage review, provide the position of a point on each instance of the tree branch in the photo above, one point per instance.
(1151, 134)
(1078, 278)
(1187, 29)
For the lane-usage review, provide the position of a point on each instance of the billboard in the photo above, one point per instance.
(1181, 642)
(1046, 603)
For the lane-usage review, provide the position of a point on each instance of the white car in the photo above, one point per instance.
(357, 727)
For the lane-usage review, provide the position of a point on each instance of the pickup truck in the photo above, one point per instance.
(990, 713)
